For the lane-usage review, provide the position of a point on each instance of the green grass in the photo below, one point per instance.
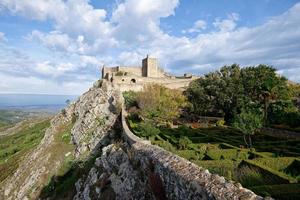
(23, 140)
(2, 124)
(61, 185)
(13, 116)
(14, 147)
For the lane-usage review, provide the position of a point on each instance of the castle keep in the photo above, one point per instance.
(135, 77)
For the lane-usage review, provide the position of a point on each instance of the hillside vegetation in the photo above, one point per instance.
(219, 126)
(14, 147)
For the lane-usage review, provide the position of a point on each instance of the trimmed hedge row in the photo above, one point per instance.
(282, 191)
(278, 164)
(222, 167)
(221, 154)
(277, 177)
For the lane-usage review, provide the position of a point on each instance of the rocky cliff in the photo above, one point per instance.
(126, 166)
(89, 120)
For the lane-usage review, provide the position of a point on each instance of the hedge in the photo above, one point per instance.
(227, 154)
(277, 177)
(278, 164)
(282, 191)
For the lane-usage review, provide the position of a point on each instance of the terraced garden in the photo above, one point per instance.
(271, 167)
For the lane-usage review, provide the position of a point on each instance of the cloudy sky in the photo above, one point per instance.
(58, 46)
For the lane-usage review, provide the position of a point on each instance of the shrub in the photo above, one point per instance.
(248, 123)
(100, 121)
(130, 99)
(249, 176)
(146, 129)
(165, 145)
(160, 104)
(188, 154)
(292, 119)
(63, 112)
(218, 154)
(184, 142)
(220, 123)
(271, 176)
(120, 73)
(74, 118)
(282, 191)
(293, 169)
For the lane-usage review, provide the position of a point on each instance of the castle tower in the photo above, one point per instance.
(149, 67)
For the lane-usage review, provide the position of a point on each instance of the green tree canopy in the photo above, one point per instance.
(248, 123)
(232, 89)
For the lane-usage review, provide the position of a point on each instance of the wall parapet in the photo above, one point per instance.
(128, 136)
(181, 178)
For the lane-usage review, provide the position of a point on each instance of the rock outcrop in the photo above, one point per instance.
(114, 176)
(92, 116)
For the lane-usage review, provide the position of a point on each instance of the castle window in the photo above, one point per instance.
(133, 80)
(123, 79)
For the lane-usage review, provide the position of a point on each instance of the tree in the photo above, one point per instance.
(232, 89)
(68, 101)
(264, 86)
(220, 92)
(160, 104)
(248, 123)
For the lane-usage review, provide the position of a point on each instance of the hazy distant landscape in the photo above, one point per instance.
(44, 102)
(17, 107)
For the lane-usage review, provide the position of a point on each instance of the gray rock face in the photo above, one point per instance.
(119, 178)
(95, 113)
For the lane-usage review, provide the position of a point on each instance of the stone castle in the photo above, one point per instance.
(134, 78)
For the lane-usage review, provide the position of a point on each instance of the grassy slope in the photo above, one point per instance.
(14, 147)
(56, 157)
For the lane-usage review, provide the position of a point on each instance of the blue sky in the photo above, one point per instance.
(58, 46)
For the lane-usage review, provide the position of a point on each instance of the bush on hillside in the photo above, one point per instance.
(248, 123)
(147, 129)
(160, 104)
(184, 142)
(130, 99)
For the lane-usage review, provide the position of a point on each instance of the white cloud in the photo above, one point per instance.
(198, 26)
(35, 85)
(90, 60)
(72, 17)
(52, 69)
(55, 40)
(88, 39)
(138, 21)
(228, 24)
(40, 10)
(2, 37)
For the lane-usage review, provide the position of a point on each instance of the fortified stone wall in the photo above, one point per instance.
(137, 71)
(182, 179)
(135, 83)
